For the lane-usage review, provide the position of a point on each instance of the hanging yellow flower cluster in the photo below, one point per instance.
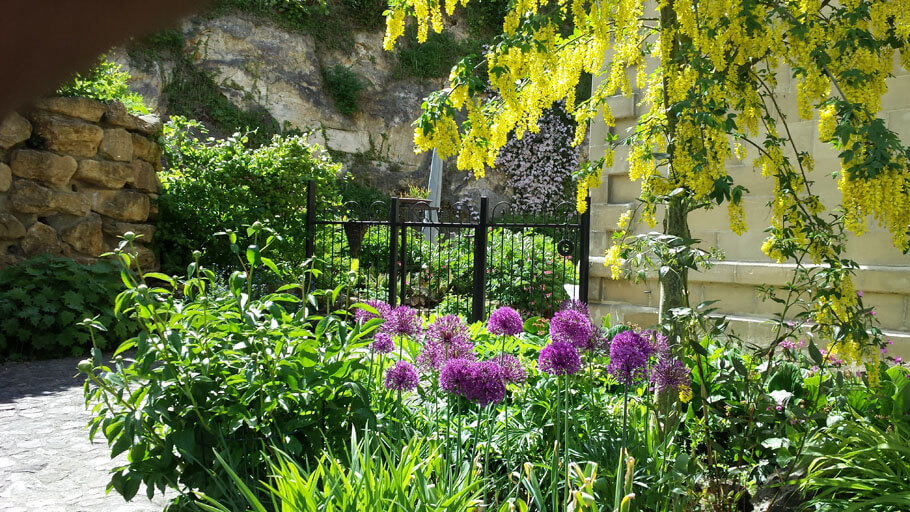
(707, 72)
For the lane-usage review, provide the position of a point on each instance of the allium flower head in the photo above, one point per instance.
(575, 305)
(559, 358)
(505, 320)
(401, 377)
(434, 356)
(362, 315)
(629, 353)
(659, 343)
(669, 373)
(484, 385)
(512, 371)
(454, 375)
(448, 330)
(572, 326)
(402, 321)
(382, 343)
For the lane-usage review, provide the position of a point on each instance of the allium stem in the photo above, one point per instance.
(565, 431)
(622, 449)
(554, 477)
(486, 457)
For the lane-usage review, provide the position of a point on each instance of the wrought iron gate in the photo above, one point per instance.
(458, 259)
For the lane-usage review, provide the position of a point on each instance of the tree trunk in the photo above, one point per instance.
(673, 282)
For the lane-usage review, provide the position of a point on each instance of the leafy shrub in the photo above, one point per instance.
(540, 166)
(344, 85)
(42, 299)
(223, 371)
(214, 185)
(434, 57)
(105, 82)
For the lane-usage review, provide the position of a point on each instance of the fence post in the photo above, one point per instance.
(403, 258)
(393, 251)
(480, 263)
(310, 219)
(583, 253)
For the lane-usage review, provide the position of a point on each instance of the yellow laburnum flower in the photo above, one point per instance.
(613, 260)
(394, 29)
(827, 123)
(685, 394)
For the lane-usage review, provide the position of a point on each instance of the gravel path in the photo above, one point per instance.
(47, 462)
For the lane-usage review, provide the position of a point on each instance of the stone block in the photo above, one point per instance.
(124, 205)
(40, 239)
(116, 228)
(66, 135)
(83, 108)
(145, 258)
(103, 173)
(116, 114)
(29, 197)
(117, 145)
(13, 130)
(347, 141)
(147, 150)
(143, 177)
(10, 227)
(43, 166)
(6, 177)
(84, 235)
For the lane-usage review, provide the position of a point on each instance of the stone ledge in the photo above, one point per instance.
(870, 278)
(748, 327)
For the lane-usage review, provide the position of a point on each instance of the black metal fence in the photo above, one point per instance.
(455, 259)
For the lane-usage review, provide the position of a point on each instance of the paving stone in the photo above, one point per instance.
(47, 462)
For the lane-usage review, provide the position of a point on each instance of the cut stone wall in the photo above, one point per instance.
(884, 274)
(75, 174)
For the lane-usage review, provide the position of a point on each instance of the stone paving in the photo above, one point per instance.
(47, 462)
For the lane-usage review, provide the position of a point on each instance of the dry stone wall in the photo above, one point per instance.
(75, 174)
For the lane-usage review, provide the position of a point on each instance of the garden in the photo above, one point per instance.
(284, 359)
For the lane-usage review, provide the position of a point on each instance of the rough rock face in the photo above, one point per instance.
(259, 63)
(72, 180)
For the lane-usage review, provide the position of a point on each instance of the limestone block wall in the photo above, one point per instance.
(885, 272)
(75, 174)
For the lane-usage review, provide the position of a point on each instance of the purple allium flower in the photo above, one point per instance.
(485, 384)
(659, 343)
(572, 326)
(629, 352)
(559, 358)
(669, 373)
(505, 320)
(434, 356)
(362, 315)
(454, 375)
(448, 330)
(512, 371)
(401, 377)
(382, 343)
(575, 305)
(402, 320)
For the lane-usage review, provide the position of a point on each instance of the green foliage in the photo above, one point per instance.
(193, 93)
(854, 465)
(42, 299)
(369, 476)
(344, 85)
(433, 58)
(213, 185)
(330, 22)
(224, 372)
(105, 82)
